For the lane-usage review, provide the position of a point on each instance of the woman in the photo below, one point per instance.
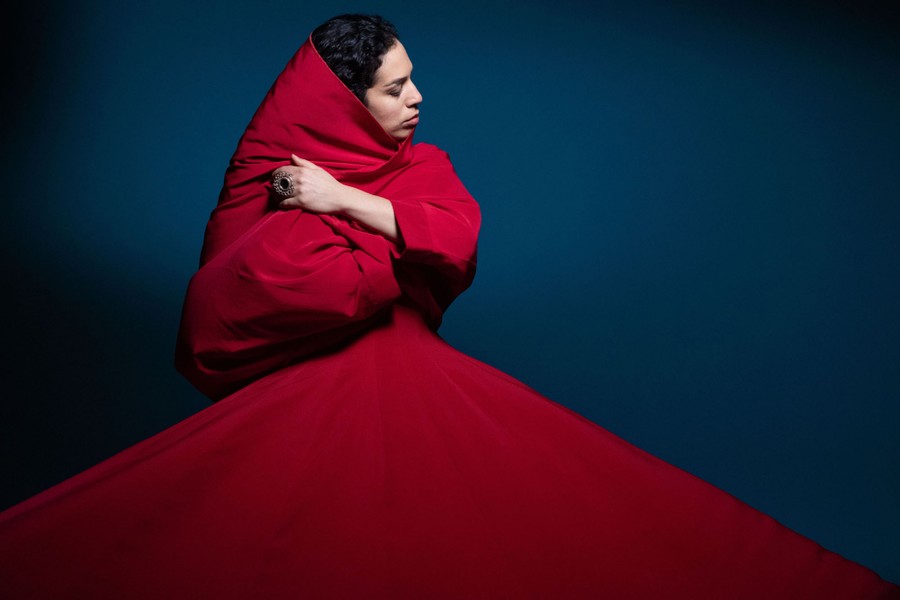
(352, 452)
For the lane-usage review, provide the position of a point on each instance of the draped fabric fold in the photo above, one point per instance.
(296, 283)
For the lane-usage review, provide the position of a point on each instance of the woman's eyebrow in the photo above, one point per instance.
(398, 81)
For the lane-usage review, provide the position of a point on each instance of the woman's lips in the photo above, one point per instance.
(411, 122)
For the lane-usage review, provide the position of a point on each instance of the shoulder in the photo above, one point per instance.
(423, 152)
(428, 157)
(430, 172)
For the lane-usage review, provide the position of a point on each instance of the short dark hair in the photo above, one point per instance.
(353, 47)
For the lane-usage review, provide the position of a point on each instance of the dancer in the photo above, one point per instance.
(351, 452)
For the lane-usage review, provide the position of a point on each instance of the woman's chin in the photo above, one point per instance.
(402, 133)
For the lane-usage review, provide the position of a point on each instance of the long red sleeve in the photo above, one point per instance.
(439, 223)
(295, 284)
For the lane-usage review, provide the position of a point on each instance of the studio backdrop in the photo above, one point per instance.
(690, 234)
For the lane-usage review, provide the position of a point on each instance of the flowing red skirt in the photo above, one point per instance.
(398, 467)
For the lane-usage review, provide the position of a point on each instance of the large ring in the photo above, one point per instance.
(283, 184)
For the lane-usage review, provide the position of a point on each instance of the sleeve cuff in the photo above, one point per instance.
(415, 235)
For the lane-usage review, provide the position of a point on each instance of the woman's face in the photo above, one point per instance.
(393, 99)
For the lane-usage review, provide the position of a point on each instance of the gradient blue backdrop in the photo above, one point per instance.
(690, 226)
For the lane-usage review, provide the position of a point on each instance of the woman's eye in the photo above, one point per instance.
(394, 93)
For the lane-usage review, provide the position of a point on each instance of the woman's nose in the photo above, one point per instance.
(414, 98)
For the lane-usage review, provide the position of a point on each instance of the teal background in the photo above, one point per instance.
(690, 229)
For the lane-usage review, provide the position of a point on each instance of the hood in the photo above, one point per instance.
(311, 113)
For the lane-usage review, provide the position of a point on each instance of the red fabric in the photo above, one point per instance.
(368, 459)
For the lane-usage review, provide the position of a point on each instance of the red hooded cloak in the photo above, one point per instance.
(276, 286)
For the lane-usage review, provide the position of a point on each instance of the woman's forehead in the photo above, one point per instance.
(394, 65)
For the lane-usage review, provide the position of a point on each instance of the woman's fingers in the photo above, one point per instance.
(289, 204)
(311, 188)
(302, 162)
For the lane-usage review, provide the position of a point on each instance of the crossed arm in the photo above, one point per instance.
(316, 191)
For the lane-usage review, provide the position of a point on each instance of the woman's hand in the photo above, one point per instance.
(314, 189)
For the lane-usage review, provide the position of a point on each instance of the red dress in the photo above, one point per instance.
(353, 453)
